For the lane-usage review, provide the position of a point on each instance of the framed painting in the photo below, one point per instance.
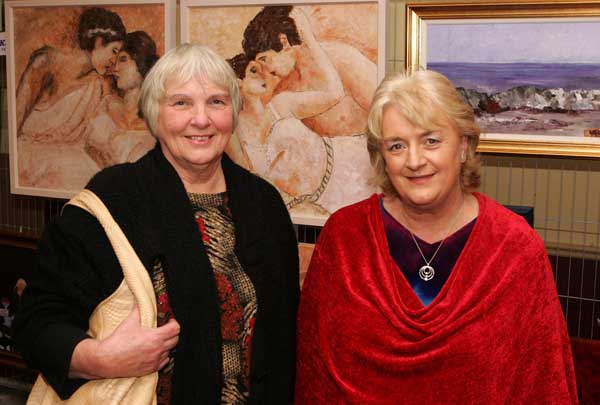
(530, 69)
(74, 71)
(307, 73)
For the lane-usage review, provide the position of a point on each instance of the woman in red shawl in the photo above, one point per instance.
(430, 292)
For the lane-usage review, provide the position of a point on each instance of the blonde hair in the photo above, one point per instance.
(429, 100)
(182, 64)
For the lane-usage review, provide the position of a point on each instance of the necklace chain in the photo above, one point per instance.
(420, 251)
(427, 272)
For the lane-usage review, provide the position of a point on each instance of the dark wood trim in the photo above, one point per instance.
(20, 240)
(12, 360)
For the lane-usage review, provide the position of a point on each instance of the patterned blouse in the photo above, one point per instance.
(237, 299)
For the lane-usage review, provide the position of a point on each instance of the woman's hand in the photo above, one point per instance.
(130, 351)
(302, 25)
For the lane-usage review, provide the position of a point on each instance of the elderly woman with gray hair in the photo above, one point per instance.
(430, 292)
(218, 246)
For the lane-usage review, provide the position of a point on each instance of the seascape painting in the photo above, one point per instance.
(528, 77)
(307, 75)
(74, 79)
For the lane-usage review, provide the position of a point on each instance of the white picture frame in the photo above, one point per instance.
(33, 25)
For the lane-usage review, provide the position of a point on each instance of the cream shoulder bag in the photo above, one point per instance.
(136, 287)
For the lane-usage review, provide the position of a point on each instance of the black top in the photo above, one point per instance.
(77, 269)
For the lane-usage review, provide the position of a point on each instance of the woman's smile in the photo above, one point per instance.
(422, 179)
(199, 138)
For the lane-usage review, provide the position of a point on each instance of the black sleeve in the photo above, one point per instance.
(75, 270)
(282, 330)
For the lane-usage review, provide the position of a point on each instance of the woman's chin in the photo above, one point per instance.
(422, 202)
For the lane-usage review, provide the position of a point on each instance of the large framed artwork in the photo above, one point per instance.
(74, 72)
(530, 69)
(307, 73)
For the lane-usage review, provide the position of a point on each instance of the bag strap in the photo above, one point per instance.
(135, 274)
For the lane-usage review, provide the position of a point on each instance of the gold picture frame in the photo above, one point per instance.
(421, 17)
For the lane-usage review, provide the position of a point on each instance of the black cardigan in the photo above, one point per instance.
(77, 269)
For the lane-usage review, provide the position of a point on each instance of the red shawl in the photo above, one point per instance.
(495, 334)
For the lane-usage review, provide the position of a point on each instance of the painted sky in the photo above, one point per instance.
(503, 42)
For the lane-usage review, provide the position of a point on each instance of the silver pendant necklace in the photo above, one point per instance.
(427, 272)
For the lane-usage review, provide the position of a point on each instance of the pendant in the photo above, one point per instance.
(426, 273)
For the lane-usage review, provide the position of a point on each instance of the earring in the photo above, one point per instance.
(463, 157)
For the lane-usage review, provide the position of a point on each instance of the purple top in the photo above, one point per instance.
(409, 260)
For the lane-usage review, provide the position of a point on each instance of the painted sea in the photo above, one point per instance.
(496, 77)
(532, 98)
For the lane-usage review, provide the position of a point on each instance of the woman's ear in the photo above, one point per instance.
(464, 146)
(283, 39)
(98, 42)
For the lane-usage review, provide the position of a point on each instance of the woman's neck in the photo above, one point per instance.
(209, 179)
(433, 224)
(253, 105)
(261, 122)
(82, 59)
(206, 178)
(131, 99)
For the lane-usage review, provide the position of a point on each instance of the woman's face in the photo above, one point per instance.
(126, 72)
(278, 63)
(104, 56)
(254, 82)
(423, 165)
(195, 122)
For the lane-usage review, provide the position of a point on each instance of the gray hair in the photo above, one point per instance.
(182, 64)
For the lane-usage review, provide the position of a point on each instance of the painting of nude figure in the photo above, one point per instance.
(74, 79)
(307, 74)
